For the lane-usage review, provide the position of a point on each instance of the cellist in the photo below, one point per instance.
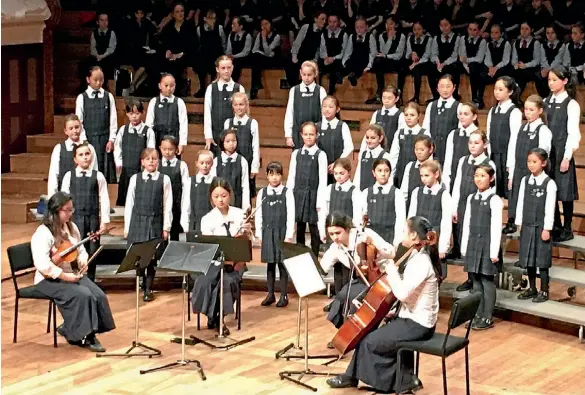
(345, 238)
(415, 284)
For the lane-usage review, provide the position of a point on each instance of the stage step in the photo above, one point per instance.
(30, 184)
(15, 209)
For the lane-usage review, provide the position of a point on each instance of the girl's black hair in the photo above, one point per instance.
(491, 172)
(132, 103)
(381, 161)
(563, 73)
(92, 69)
(223, 135)
(219, 182)
(164, 75)
(79, 146)
(539, 152)
(274, 167)
(421, 226)
(511, 84)
(170, 139)
(51, 217)
(339, 219)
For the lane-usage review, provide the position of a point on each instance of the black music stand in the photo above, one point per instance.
(291, 250)
(137, 258)
(306, 275)
(230, 249)
(185, 258)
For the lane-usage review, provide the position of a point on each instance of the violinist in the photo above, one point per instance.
(415, 284)
(222, 220)
(345, 238)
(82, 304)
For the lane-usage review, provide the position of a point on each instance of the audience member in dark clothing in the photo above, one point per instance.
(247, 11)
(509, 15)
(434, 13)
(212, 45)
(360, 52)
(102, 50)
(566, 14)
(370, 10)
(460, 17)
(483, 14)
(239, 47)
(265, 55)
(410, 12)
(540, 17)
(305, 47)
(332, 47)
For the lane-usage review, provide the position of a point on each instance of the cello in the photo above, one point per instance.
(374, 307)
(368, 254)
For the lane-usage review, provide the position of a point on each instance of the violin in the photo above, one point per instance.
(368, 254)
(375, 306)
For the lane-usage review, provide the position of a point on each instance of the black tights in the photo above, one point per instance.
(271, 277)
(314, 231)
(568, 209)
(148, 275)
(486, 287)
(544, 279)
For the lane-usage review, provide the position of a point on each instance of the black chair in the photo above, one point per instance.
(20, 258)
(445, 345)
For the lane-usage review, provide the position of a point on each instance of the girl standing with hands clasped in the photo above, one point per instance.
(480, 243)
(307, 177)
(402, 151)
(148, 213)
(304, 104)
(222, 220)
(423, 150)
(374, 150)
(334, 135)
(531, 135)
(233, 168)
(457, 142)
(384, 204)
(248, 136)
(563, 114)
(503, 120)
(83, 305)
(535, 217)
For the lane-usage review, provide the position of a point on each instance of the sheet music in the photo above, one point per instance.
(304, 274)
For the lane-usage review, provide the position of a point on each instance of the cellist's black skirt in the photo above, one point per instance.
(336, 312)
(374, 361)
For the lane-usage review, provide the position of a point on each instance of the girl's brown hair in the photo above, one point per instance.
(426, 140)
(413, 106)
(483, 136)
(539, 103)
(393, 90)
(147, 152)
(204, 152)
(82, 145)
(244, 97)
(379, 130)
(343, 162)
(490, 171)
(71, 117)
(51, 218)
(474, 111)
(433, 166)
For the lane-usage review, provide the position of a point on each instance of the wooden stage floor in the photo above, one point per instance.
(511, 358)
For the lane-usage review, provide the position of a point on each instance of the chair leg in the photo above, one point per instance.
(239, 311)
(467, 370)
(444, 376)
(15, 319)
(198, 321)
(416, 365)
(399, 372)
(54, 324)
(49, 317)
(189, 308)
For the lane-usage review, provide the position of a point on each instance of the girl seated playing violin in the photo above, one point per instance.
(82, 304)
(222, 220)
(345, 238)
(415, 284)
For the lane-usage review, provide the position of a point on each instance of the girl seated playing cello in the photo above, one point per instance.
(415, 284)
(345, 238)
(222, 220)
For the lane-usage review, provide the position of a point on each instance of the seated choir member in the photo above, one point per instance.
(222, 220)
(239, 47)
(83, 305)
(415, 283)
(331, 51)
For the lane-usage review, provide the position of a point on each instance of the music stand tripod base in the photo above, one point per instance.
(195, 340)
(179, 362)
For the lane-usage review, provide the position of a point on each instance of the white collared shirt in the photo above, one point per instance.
(184, 170)
(544, 142)
(399, 208)
(103, 196)
(292, 169)
(182, 115)
(140, 129)
(289, 114)
(212, 223)
(496, 207)
(573, 124)
(167, 199)
(255, 131)
(345, 135)
(395, 148)
(405, 184)
(449, 159)
(446, 224)
(52, 183)
(549, 206)
(245, 178)
(430, 113)
(456, 193)
(290, 211)
(186, 196)
(515, 121)
(370, 153)
(207, 104)
(112, 111)
(324, 200)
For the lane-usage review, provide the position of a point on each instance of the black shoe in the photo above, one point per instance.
(226, 330)
(528, 294)
(61, 330)
(541, 297)
(330, 346)
(95, 345)
(148, 296)
(200, 94)
(327, 307)
(212, 323)
(374, 100)
(112, 211)
(270, 299)
(473, 321)
(342, 381)
(416, 386)
(453, 255)
(466, 286)
(352, 79)
(564, 235)
(482, 324)
(509, 228)
(282, 301)
(254, 94)
(480, 105)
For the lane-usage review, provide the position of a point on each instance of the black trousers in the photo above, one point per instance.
(476, 80)
(381, 66)
(271, 277)
(293, 71)
(524, 76)
(417, 72)
(261, 63)
(334, 70)
(204, 68)
(177, 69)
(340, 277)
(486, 287)
(108, 64)
(314, 231)
(542, 84)
(454, 69)
(239, 64)
(356, 66)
